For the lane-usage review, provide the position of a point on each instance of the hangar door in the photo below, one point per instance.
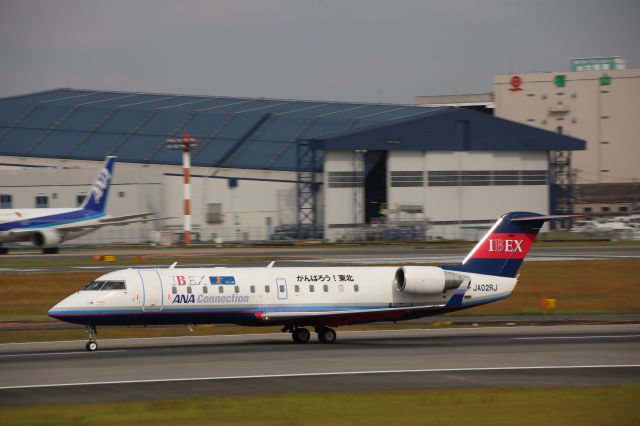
(375, 184)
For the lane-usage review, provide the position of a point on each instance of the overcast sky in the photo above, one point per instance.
(359, 50)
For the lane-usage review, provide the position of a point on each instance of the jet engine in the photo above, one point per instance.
(426, 280)
(46, 238)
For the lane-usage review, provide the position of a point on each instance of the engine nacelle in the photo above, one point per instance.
(46, 238)
(426, 280)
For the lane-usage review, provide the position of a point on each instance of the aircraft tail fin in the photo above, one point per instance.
(97, 198)
(503, 248)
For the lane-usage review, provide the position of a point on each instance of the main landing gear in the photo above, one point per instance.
(91, 345)
(302, 335)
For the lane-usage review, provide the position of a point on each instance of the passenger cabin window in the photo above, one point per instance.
(281, 288)
(356, 287)
(266, 289)
(189, 290)
(105, 285)
(236, 289)
(205, 289)
(325, 288)
(311, 288)
(340, 288)
(252, 289)
(174, 290)
(220, 289)
(296, 288)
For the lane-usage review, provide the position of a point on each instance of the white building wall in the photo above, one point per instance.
(252, 210)
(340, 204)
(467, 203)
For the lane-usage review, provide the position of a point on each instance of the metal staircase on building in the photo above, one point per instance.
(561, 185)
(306, 187)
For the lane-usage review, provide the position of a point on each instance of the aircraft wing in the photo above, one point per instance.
(339, 317)
(101, 223)
(107, 220)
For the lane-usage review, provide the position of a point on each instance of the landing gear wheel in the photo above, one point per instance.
(50, 250)
(326, 335)
(301, 335)
(91, 345)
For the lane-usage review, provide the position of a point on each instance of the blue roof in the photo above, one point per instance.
(450, 129)
(237, 132)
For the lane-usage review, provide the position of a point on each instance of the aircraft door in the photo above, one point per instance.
(152, 287)
(281, 288)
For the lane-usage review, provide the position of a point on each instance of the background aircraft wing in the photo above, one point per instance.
(339, 317)
(102, 223)
(121, 218)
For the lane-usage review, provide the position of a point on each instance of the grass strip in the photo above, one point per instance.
(602, 405)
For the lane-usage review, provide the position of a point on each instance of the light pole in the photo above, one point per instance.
(185, 143)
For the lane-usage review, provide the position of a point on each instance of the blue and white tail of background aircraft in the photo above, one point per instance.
(45, 228)
(299, 297)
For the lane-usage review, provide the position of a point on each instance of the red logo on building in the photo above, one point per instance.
(516, 82)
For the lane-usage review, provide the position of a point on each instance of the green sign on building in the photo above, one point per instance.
(597, 64)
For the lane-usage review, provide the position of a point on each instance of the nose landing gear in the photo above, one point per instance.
(91, 345)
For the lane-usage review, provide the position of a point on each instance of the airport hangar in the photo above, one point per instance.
(264, 163)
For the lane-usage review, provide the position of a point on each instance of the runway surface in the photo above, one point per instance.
(169, 368)
(304, 256)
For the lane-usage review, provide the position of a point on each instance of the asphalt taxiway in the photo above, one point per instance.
(169, 368)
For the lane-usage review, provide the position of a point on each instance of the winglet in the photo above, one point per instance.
(270, 265)
(97, 198)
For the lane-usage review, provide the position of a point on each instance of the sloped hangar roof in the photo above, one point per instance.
(450, 129)
(242, 132)
(237, 132)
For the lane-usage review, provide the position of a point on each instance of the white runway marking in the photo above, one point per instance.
(326, 374)
(63, 353)
(620, 336)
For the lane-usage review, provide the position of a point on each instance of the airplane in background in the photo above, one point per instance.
(48, 227)
(300, 297)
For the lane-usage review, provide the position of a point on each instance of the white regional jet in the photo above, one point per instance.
(48, 227)
(299, 297)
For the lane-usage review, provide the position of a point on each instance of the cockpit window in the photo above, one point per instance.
(105, 285)
(96, 285)
(113, 285)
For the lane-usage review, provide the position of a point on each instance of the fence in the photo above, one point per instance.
(360, 233)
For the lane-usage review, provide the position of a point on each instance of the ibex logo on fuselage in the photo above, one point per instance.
(101, 183)
(509, 246)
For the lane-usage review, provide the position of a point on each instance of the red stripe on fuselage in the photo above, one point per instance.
(505, 246)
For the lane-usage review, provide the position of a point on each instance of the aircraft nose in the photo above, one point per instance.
(60, 307)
